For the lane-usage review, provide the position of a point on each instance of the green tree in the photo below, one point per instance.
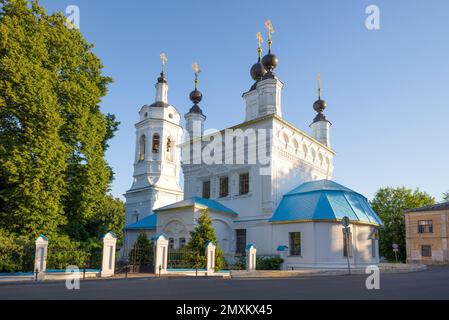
(390, 204)
(200, 236)
(446, 196)
(54, 178)
(142, 250)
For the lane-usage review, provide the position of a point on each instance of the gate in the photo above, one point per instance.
(137, 259)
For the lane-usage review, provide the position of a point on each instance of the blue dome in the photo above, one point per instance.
(324, 200)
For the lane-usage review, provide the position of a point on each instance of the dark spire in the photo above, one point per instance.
(162, 78)
(257, 70)
(320, 105)
(196, 96)
(270, 60)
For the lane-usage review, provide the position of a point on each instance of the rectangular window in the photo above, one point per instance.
(295, 243)
(373, 248)
(241, 241)
(426, 251)
(347, 243)
(182, 242)
(171, 243)
(224, 187)
(425, 226)
(244, 183)
(206, 189)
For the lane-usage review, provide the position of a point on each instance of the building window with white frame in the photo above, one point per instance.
(224, 187)
(243, 183)
(425, 226)
(295, 243)
(206, 189)
(171, 243)
(240, 248)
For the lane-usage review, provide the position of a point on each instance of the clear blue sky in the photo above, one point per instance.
(387, 90)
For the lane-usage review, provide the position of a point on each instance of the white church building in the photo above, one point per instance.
(264, 181)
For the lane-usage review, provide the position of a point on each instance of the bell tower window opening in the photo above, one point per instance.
(156, 143)
(142, 146)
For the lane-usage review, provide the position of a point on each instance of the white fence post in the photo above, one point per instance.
(108, 262)
(210, 254)
(250, 257)
(160, 254)
(40, 257)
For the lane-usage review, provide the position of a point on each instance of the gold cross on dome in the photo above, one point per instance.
(164, 60)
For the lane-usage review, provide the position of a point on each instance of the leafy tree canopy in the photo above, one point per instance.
(54, 178)
(390, 204)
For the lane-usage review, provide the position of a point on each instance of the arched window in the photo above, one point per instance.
(169, 153)
(142, 144)
(156, 143)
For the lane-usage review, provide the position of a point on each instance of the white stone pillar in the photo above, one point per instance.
(250, 257)
(108, 262)
(160, 254)
(210, 254)
(40, 257)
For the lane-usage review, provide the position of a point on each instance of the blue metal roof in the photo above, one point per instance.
(324, 200)
(147, 223)
(198, 201)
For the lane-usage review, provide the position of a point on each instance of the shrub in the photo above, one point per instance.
(269, 263)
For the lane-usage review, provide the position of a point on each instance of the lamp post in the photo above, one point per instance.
(346, 231)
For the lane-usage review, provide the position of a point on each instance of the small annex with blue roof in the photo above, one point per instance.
(324, 200)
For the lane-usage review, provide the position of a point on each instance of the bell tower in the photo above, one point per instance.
(156, 180)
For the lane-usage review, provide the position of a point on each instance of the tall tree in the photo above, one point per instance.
(202, 234)
(390, 204)
(54, 178)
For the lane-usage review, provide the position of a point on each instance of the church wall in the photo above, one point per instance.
(255, 204)
(322, 244)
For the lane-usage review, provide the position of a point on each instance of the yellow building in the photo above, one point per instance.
(427, 230)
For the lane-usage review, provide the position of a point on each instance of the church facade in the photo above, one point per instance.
(263, 181)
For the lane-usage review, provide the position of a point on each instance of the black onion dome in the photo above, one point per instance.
(319, 105)
(257, 71)
(270, 61)
(196, 96)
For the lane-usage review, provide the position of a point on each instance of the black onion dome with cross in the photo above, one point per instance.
(270, 60)
(320, 104)
(196, 96)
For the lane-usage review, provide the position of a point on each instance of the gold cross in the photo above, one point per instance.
(164, 60)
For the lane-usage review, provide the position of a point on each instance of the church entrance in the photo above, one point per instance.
(137, 259)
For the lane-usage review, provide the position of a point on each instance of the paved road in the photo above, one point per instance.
(429, 284)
